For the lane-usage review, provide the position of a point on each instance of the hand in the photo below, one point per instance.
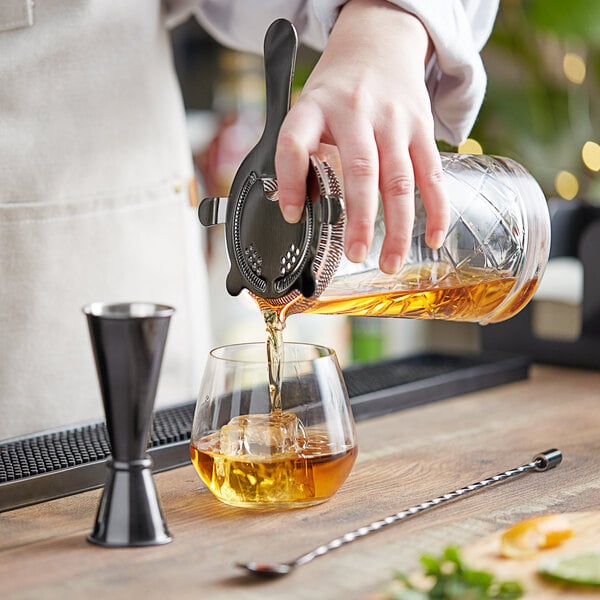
(367, 96)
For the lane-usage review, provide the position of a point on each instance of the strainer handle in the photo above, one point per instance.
(280, 47)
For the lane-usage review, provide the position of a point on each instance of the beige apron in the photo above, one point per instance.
(94, 164)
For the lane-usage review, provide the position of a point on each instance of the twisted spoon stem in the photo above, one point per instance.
(540, 462)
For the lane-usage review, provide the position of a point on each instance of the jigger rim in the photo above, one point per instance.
(127, 310)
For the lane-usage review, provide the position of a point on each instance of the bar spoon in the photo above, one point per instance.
(540, 462)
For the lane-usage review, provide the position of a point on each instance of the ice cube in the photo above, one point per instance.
(265, 435)
(245, 480)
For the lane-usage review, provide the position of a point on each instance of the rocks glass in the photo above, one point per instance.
(254, 457)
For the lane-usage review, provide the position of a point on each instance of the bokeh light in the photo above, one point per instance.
(590, 154)
(574, 68)
(566, 185)
(470, 146)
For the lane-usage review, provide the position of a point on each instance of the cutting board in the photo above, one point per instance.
(586, 536)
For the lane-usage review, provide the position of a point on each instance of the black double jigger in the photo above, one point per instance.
(128, 341)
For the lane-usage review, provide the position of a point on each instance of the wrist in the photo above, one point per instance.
(388, 16)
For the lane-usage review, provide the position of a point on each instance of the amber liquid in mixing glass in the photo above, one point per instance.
(464, 295)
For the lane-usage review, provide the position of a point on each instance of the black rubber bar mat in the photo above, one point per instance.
(55, 464)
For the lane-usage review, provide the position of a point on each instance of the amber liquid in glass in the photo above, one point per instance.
(294, 479)
(464, 295)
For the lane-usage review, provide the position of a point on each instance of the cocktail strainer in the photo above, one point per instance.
(281, 264)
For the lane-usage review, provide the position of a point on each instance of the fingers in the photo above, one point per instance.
(360, 168)
(406, 160)
(429, 178)
(299, 137)
(397, 188)
(374, 156)
(301, 133)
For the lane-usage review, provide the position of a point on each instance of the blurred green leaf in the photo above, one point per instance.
(452, 555)
(453, 580)
(431, 565)
(572, 19)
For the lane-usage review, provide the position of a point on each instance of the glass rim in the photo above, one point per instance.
(217, 353)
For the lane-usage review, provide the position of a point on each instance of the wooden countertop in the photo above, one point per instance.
(404, 459)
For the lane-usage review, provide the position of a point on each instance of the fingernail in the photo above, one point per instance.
(291, 213)
(436, 239)
(392, 264)
(357, 252)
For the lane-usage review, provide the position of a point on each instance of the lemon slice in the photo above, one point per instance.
(527, 538)
(582, 569)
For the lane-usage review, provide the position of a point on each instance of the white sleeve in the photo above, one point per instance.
(456, 78)
(241, 24)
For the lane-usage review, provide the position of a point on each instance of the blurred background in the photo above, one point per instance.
(542, 108)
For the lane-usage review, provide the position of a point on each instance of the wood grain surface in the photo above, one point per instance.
(404, 458)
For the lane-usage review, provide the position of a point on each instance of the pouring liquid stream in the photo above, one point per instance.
(274, 326)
